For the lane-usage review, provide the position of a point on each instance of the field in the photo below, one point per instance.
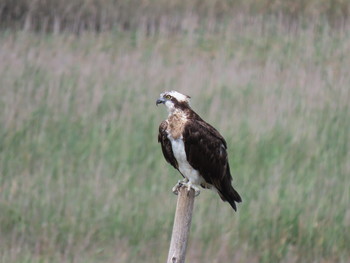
(82, 175)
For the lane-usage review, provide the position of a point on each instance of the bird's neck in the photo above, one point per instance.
(177, 113)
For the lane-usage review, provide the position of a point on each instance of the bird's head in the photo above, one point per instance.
(174, 100)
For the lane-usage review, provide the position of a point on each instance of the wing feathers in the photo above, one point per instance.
(206, 152)
(166, 145)
(228, 193)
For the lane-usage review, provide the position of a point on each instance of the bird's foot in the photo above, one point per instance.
(196, 189)
(188, 185)
(178, 185)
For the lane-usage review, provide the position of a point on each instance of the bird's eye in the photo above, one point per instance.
(168, 97)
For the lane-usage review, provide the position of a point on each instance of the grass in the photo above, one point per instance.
(83, 178)
(158, 15)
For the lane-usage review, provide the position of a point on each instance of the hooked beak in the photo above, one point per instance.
(160, 100)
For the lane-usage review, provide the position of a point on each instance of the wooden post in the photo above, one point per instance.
(182, 224)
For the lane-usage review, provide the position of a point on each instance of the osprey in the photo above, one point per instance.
(195, 148)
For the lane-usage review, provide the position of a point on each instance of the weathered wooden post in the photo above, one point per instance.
(182, 224)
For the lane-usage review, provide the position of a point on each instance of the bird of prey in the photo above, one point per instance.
(195, 148)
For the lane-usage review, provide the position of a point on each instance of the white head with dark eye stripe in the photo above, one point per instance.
(174, 100)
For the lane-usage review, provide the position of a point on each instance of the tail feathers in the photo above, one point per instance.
(229, 194)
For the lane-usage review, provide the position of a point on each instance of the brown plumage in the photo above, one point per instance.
(195, 148)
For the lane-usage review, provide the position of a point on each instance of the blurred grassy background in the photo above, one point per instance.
(155, 15)
(83, 178)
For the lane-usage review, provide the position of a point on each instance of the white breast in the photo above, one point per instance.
(185, 168)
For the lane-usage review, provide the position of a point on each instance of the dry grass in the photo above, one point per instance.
(155, 16)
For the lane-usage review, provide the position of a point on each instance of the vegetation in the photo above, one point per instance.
(157, 15)
(83, 178)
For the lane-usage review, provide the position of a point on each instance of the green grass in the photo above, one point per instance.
(83, 178)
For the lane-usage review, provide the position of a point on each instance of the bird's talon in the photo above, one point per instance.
(195, 188)
(177, 187)
(188, 186)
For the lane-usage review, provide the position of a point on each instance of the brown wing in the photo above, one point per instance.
(166, 145)
(206, 152)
